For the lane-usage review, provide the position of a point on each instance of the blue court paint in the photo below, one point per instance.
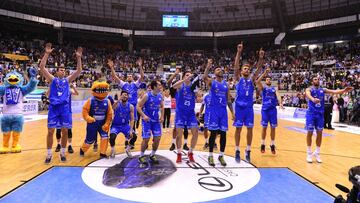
(64, 184)
(302, 130)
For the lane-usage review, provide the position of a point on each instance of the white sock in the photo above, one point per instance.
(190, 150)
(179, 151)
(221, 153)
(185, 141)
(237, 148)
(207, 140)
(263, 142)
(69, 144)
(173, 141)
(272, 142)
(248, 148)
(210, 154)
(152, 153)
(112, 149)
(317, 150)
(142, 153)
(49, 153)
(62, 151)
(308, 149)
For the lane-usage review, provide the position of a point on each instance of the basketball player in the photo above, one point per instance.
(205, 105)
(185, 113)
(148, 107)
(132, 88)
(59, 110)
(123, 122)
(244, 111)
(270, 98)
(173, 94)
(218, 118)
(315, 115)
(58, 131)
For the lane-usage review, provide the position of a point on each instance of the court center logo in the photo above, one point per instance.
(167, 181)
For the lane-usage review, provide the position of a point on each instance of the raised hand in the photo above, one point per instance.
(110, 63)
(261, 53)
(240, 47)
(48, 48)
(267, 70)
(139, 62)
(348, 89)
(78, 52)
(209, 62)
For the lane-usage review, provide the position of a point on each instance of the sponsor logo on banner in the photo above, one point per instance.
(125, 178)
(28, 108)
(300, 113)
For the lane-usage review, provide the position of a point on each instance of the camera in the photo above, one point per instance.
(353, 195)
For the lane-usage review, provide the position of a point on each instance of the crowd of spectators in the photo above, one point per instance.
(291, 68)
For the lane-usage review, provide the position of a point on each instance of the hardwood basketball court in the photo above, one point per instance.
(340, 151)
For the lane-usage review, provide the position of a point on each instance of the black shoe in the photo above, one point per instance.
(262, 148)
(222, 160)
(62, 158)
(154, 160)
(206, 145)
(126, 143)
(132, 147)
(272, 147)
(82, 153)
(103, 156)
(185, 147)
(58, 147)
(247, 156)
(172, 147)
(70, 149)
(48, 159)
(142, 160)
(331, 128)
(95, 149)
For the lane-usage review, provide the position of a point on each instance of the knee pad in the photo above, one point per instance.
(133, 139)
(112, 139)
(58, 133)
(69, 133)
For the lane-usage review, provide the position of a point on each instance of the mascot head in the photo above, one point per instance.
(13, 78)
(100, 89)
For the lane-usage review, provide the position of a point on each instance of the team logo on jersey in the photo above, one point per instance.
(125, 179)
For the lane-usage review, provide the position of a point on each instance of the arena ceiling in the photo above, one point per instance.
(204, 15)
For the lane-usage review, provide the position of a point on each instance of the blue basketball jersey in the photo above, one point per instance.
(59, 91)
(122, 114)
(207, 100)
(70, 109)
(98, 108)
(152, 106)
(132, 89)
(320, 94)
(185, 99)
(269, 99)
(244, 93)
(218, 94)
(12, 95)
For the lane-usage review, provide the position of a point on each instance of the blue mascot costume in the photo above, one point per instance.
(12, 120)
